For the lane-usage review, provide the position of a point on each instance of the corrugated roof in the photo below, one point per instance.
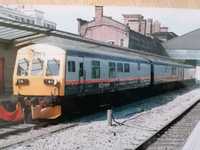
(188, 41)
(11, 30)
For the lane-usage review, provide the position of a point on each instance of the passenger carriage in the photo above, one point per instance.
(44, 74)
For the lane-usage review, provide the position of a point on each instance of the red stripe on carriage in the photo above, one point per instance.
(77, 82)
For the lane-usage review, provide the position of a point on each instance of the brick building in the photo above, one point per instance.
(26, 15)
(136, 22)
(144, 26)
(106, 29)
(149, 26)
(156, 26)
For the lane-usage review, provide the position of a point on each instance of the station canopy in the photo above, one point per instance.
(14, 31)
(11, 30)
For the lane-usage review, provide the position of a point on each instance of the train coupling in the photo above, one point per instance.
(49, 112)
(42, 107)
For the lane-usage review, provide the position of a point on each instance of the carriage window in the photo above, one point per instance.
(111, 69)
(138, 66)
(71, 66)
(166, 69)
(95, 69)
(126, 68)
(53, 67)
(173, 70)
(37, 66)
(119, 67)
(22, 68)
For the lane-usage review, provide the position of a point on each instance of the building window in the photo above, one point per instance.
(119, 67)
(122, 42)
(95, 69)
(71, 66)
(126, 68)
(112, 69)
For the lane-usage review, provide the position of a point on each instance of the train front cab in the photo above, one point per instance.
(39, 80)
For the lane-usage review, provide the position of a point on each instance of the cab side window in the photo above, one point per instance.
(71, 66)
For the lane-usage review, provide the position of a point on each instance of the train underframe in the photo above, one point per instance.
(52, 107)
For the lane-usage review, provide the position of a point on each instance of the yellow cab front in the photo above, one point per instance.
(39, 78)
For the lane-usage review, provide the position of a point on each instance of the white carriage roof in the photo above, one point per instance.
(71, 44)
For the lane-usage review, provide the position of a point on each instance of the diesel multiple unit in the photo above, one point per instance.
(45, 73)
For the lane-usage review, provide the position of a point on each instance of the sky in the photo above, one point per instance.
(179, 21)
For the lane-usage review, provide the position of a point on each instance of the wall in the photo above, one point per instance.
(9, 54)
(140, 42)
(107, 33)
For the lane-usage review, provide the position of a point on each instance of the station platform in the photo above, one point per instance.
(192, 142)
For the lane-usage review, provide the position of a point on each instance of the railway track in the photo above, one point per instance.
(174, 135)
(6, 124)
(10, 129)
(36, 131)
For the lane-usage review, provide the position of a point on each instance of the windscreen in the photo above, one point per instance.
(37, 66)
(53, 67)
(22, 68)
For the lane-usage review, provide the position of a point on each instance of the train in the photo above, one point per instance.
(45, 74)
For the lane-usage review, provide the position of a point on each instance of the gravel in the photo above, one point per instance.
(94, 133)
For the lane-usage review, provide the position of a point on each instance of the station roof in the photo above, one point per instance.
(11, 30)
(185, 47)
(188, 41)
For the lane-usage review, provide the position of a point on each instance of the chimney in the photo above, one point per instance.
(80, 24)
(98, 13)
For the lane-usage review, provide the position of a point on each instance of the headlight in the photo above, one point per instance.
(50, 82)
(22, 82)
